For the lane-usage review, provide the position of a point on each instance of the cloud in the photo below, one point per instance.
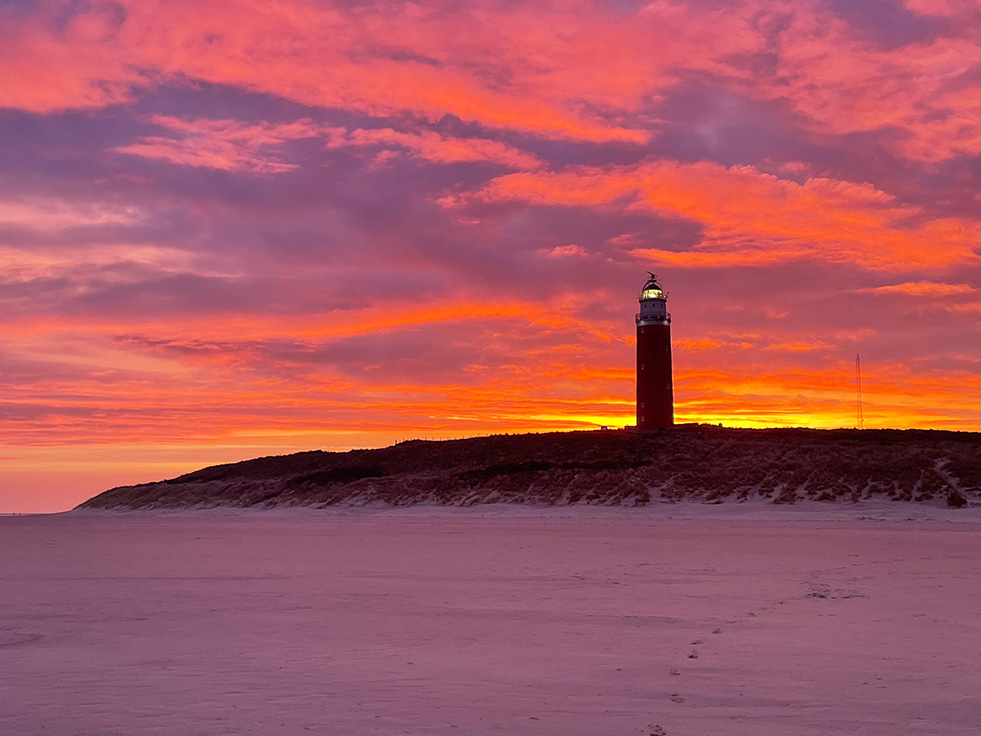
(226, 145)
(801, 346)
(49, 65)
(561, 70)
(567, 251)
(751, 217)
(707, 343)
(49, 214)
(922, 288)
(437, 148)
(391, 60)
(260, 147)
(839, 81)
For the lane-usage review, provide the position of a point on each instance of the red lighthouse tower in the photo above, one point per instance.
(655, 393)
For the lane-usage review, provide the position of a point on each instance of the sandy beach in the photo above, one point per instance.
(684, 620)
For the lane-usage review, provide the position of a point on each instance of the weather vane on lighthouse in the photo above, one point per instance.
(655, 391)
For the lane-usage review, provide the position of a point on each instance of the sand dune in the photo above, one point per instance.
(690, 462)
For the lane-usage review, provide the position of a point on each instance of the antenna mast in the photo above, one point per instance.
(858, 392)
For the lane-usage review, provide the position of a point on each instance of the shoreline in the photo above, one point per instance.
(751, 510)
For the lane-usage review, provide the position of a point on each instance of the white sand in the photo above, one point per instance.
(723, 620)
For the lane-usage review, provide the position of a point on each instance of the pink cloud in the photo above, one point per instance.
(567, 251)
(842, 83)
(437, 148)
(233, 145)
(227, 145)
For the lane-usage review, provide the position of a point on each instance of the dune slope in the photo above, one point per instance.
(695, 462)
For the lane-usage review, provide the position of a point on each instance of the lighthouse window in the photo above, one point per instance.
(642, 366)
(641, 404)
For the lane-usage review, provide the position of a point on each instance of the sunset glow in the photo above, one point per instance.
(232, 229)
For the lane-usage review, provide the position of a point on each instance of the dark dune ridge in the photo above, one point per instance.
(688, 462)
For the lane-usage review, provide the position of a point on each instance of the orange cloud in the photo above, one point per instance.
(566, 70)
(168, 399)
(923, 288)
(800, 346)
(382, 62)
(701, 343)
(752, 217)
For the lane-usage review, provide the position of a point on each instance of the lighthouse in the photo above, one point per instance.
(655, 393)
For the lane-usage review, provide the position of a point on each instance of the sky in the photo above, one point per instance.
(233, 229)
